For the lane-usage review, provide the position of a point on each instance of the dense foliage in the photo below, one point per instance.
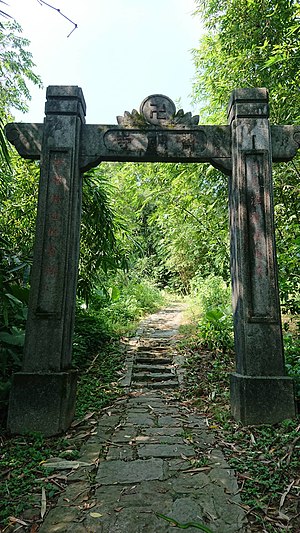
(256, 44)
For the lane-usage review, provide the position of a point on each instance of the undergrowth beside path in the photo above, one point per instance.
(266, 459)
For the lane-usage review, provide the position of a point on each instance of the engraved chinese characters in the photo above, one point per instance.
(156, 142)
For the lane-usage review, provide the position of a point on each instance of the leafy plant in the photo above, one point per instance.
(22, 473)
(292, 356)
(212, 310)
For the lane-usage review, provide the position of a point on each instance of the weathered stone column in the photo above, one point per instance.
(260, 390)
(43, 394)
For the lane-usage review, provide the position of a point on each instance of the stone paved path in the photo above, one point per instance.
(152, 455)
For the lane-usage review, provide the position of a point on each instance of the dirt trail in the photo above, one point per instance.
(150, 455)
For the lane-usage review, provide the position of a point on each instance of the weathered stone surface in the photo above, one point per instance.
(165, 450)
(135, 495)
(140, 419)
(159, 439)
(207, 512)
(131, 519)
(224, 477)
(125, 434)
(129, 472)
(27, 138)
(109, 421)
(169, 421)
(257, 324)
(42, 402)
(162, 431)
(188, 483)
(124, 452)
(114, 143)
(59, 519)
(262, 400)
(50, 322)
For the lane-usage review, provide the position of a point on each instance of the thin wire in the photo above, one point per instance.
(41, 2)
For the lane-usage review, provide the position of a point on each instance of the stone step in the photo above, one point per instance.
(147, 376)
(155, 350)
(153, 360)
(152, 368)
(155, 385)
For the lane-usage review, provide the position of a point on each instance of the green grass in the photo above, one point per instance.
(22, 474)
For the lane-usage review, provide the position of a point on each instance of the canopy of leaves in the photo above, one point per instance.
(177, 216)
(255, 43)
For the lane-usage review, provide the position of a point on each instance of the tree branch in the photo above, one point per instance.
(41, 2)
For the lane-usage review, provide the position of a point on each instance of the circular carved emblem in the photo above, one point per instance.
(158, 109)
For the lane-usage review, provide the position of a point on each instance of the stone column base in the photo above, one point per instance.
(262, 400)
(43, 403)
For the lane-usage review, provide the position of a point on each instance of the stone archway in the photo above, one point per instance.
(43, 393)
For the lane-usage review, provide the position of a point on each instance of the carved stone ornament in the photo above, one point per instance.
(158, 110)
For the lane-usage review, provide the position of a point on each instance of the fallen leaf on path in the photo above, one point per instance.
(87, 505)
(284, 495)
(96, 515)
(86, 417)
(57, 463)
(43, 503)
(14, 520)
(200, 469)
(283, 517)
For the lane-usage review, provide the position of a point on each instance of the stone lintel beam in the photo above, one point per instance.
(26, 138)
(114, 143)
(285, 142)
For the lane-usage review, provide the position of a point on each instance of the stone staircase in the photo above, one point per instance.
(151, 366)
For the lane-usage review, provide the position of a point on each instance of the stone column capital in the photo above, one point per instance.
(248, 103)
(65, 100)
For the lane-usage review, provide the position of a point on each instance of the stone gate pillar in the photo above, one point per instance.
(260, 390)
(43, 394)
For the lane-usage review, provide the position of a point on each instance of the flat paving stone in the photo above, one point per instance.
(59, 519)
(120, 452)
(162, 431)
(140, 420)
(159, 439)
(109, 421)
(129, 472)
(125, 434)
(165, 450)
(165, 421)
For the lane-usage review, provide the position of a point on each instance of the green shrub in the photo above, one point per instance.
(292, 356)
(89, 336)
(13, 314)
(125, 301)
(212, 297)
